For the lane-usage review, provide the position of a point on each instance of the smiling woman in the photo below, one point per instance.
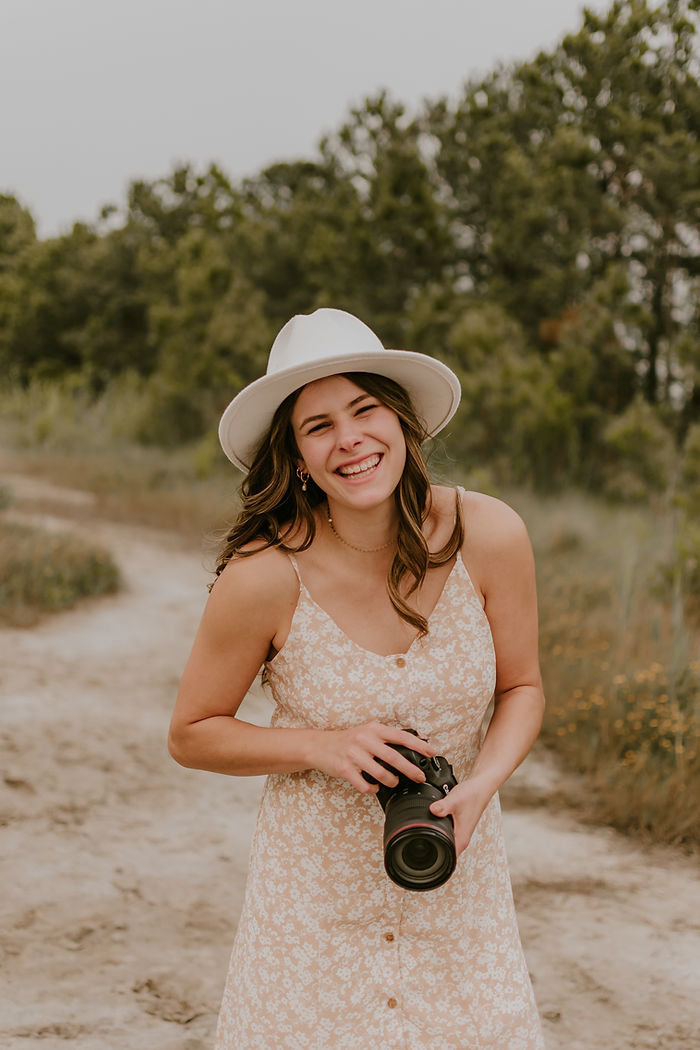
(386, 614)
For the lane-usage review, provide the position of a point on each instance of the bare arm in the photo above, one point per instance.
(502, 566)
(248, 611)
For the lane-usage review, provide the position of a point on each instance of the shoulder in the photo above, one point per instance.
(491, 521)
(487, 520)
(259, 580)
(496, 548)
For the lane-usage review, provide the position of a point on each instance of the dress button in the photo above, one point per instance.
(391, 1003)
(400, 662)
(388, 937)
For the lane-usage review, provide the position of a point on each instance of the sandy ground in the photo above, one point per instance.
(122, 874)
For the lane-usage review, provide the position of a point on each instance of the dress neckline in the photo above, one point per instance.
(303, 589)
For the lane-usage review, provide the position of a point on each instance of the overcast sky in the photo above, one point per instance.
(94, 93)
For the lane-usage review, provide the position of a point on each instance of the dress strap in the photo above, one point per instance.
(295, 565)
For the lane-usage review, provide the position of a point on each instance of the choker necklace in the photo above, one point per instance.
(362, 550)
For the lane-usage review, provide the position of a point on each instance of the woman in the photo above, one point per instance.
(379, 607)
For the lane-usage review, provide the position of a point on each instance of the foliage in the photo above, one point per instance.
(43, 571)
(639, 735)
(7, 496)
(689, 481)
(639, 454)
(516, 418)
(619, 662)
(583, 158)
(17, 230)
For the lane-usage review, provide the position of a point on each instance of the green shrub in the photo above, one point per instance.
(7, 496)
(68, 415)
(688, 496)
(514, 419)
(45, 571)
(638, 736)
(638, 450)
(169, 414)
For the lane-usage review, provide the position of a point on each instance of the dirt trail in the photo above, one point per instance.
(122, 873)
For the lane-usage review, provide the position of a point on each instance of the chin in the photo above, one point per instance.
(366, 494)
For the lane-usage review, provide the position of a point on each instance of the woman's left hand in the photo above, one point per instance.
(465, 804)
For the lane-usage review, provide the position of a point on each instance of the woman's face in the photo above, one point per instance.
(351, 444)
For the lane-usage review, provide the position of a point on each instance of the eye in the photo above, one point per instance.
(365, 408)
(318, 426)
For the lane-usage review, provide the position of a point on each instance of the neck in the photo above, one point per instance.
(367, 531)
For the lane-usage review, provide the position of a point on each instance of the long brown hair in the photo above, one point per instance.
(274, 508)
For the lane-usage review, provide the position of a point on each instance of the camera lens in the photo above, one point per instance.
(419, 850)
(419, 858)
(420, 854)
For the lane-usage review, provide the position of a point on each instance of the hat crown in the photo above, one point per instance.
(322, 335)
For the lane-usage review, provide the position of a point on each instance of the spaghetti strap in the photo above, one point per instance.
(295, 565)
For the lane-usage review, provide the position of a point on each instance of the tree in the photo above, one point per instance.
(400, 239)
(77, 305)
(296, 240)
(17, 234)
(185, 199)
(17, 231)
(586, 157)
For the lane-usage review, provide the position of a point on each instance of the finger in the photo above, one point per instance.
(384, 776)
(356, 780)
(416, 743)
(394, 735)
(403, 765)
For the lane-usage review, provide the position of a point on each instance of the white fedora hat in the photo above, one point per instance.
(324, 343)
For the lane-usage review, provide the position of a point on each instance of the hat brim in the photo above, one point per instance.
(433, 388)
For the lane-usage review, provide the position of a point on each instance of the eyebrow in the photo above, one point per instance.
(324, 415)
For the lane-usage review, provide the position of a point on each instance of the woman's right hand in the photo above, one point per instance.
(348, 753)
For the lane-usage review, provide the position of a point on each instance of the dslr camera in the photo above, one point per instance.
(419, 848)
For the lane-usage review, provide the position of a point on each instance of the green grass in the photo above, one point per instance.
(44, 571)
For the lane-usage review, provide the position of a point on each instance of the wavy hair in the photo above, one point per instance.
(274, 509)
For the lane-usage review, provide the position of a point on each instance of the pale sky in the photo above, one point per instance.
(95, 93)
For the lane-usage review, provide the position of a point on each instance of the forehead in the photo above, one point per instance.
(325, 395)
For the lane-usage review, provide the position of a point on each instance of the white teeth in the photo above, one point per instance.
(360, 468)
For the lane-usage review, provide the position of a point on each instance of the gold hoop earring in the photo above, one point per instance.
(303, 477)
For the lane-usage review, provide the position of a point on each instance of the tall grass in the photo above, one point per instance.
(59, 431)
(619, 648)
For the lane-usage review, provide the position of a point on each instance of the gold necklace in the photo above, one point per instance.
(362, 550)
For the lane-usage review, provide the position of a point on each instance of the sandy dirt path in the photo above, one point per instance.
(122, 874)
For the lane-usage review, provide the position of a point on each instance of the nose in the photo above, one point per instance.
(349, 435)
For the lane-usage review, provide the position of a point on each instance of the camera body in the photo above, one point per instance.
(419, 848)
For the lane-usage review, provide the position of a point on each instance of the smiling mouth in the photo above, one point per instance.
(361, 469)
